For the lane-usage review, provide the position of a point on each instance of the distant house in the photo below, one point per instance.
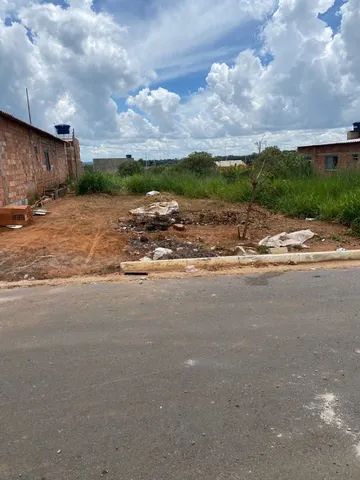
(33, 161)
(330, 157)
(230, 163)
(110, 165)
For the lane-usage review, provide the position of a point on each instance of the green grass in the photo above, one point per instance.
(98, 182)
(335, 197)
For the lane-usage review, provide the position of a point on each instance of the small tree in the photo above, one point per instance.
(255, 178)
(200, 163)
(273, 163)
(129, 168)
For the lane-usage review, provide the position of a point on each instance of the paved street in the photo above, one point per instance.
(225, 378)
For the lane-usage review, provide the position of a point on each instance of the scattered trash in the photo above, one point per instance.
(287, 239)
(190, 269)
(104, 472)
(59, 451)
(40, 211)
(310, 219)
(153, 193)
(14, 227)
(341, 249)
(179, 226)
(161, 253)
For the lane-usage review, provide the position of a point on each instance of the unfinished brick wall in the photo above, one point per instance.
(75, 167)
(344, 152)
(30, 162)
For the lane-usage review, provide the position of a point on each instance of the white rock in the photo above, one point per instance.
(161, 253)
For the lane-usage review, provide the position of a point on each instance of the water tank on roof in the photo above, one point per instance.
(62, 129)
(356, 126)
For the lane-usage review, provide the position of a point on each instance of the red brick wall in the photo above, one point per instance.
(23, 171)
(343, 151)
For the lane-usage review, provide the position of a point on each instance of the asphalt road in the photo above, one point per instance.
(222, 378)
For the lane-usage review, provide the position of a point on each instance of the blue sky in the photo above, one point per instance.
(147, 76)
(224, 49)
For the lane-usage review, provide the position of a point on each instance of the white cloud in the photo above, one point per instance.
(76, 62)
(160, 105)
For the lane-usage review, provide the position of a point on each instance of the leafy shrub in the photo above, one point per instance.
(130, 167)
(199, 163)
(283, 164)
(97, 182)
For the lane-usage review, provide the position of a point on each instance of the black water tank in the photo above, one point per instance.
(130, 156)
(356, 126)
(62, 129)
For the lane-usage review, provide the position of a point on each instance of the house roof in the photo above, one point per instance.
(356, 140)
(7, 116)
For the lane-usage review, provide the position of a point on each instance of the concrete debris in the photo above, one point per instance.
(160, 253)
(158, 215)
(341, 249)
(158, 209)
(287, 239)
(152, 193)
(179, 227)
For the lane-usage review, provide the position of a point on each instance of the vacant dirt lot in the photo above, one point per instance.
(83, 235)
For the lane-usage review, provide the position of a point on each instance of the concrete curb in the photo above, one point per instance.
(213, 263)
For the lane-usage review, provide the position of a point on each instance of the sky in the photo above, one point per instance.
(163, 78)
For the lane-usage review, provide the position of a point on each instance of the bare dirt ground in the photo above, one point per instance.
(83, 235)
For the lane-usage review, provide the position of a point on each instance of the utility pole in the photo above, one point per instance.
(28, 106)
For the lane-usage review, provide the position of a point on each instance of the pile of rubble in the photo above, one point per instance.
(170, 248)
(156, 216)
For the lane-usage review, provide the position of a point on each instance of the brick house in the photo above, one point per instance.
(33, 161)
(331, 157)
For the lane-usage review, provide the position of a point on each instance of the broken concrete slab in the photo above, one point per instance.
(287, 239)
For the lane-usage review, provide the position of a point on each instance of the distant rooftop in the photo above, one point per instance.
(357, 140)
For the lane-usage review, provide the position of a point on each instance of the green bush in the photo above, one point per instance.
(199, 163)
(97, 182)
(283, 164)
(130, 167)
